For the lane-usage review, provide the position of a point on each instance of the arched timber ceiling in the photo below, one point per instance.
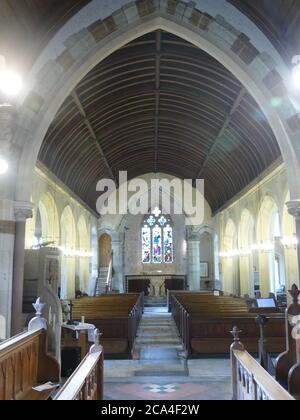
(160, 104)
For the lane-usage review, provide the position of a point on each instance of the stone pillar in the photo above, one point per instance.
(193, 247)
(7, 236)
(118, 266)
(294, 210)
(7, 218)
(23, 211)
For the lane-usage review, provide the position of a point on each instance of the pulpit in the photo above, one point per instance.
(79, 336)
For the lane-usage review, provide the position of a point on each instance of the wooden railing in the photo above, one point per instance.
(250, 381)
(86, 383)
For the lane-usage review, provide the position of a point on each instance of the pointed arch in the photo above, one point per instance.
(268, 218)
(246, 238)
(230, 236)
(68, 263)
(49, 219)
(229, 264)
(246, 233)
(84, 243)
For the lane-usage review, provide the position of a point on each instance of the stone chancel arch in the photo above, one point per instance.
(258, 70)
(163, 94)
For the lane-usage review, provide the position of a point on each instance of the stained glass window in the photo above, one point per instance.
(157, 239)
(157, 245)
(168, 244)
(146, 244)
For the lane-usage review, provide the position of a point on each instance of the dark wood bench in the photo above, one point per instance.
(25, 364)
(203, 321)
(116, 316)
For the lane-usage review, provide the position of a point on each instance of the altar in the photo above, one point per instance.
(155, 285)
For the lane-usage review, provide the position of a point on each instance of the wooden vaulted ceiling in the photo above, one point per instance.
(160, 104)
(182, 113)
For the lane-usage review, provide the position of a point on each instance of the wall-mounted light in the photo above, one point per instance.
(289, 242)
(75, 253)
(3, 166)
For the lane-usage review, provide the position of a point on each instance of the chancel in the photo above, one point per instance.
(121, 277)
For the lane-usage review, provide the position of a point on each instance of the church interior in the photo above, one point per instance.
(150, 304)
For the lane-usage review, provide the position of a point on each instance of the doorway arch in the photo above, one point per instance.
(105, 250)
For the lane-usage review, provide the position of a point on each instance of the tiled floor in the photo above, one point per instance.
(158, 372)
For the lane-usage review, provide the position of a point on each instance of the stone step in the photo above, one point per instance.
(138, 348)
(157, 343)
(155, 330)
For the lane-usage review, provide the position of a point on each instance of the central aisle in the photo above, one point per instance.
(159, 370)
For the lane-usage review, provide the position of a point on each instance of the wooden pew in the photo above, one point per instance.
(288, 363)
(116, 316)
(86, 383)
(204, 320)
(249, 380)
(24, 364)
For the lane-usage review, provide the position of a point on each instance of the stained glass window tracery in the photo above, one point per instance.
(157, 239)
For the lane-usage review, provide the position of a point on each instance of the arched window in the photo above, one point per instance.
(157, 239)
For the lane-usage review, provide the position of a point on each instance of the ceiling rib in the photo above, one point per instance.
(224, 127)
(157, 96)
(92, 134)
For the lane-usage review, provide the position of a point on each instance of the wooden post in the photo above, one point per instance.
(236, 345)
(264, 356)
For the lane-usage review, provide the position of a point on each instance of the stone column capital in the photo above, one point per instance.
(23, 211)
(193, 234)
(294, 208)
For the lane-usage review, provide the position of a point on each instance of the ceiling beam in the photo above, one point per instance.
(157, 96)
(224, 127)
(89, 126)
(293, 21)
